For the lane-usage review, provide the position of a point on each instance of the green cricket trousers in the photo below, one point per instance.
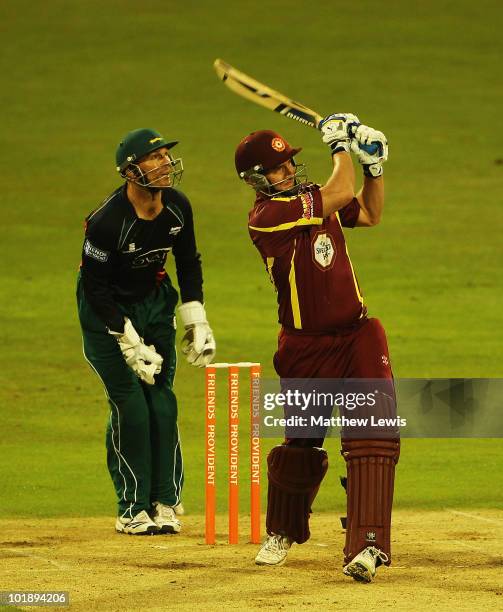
(144, 456)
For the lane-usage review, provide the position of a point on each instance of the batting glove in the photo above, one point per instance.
(142, 359)
(371, 148)
(198, 344)
(337, 130)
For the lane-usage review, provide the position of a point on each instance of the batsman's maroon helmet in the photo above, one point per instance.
(262, 151)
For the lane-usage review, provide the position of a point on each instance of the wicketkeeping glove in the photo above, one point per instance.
(372, 162)
(142, 359)
(337, 130)
(198, 343)
(146, 371)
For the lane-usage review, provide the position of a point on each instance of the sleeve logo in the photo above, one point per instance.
(91, 251)
(307, 205)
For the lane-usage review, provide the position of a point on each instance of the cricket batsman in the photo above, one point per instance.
(126, 305)
(325, 332)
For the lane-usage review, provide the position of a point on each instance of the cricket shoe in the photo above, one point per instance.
(141, 524)
(273, 551)
(165, 518)
(179, 509)
(363, 567)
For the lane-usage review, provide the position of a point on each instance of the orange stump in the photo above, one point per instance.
(233, 441)
(210, 453)
(233, 454)
(255, 453)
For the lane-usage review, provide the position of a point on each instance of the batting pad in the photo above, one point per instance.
(295, 475)
(370, 482)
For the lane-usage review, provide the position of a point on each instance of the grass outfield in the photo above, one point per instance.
(76, 77)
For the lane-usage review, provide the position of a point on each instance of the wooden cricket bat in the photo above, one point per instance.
(247, 87)
(251, 89)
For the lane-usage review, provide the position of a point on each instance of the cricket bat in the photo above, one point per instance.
(247, 87)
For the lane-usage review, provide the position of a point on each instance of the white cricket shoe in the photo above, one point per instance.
(165, 518)
(179, 509)
(141, 524)
(363, 567)
(273, 551)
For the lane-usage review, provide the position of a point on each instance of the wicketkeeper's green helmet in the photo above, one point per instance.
(138, 143)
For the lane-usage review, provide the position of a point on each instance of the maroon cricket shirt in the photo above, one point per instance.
(307, 260)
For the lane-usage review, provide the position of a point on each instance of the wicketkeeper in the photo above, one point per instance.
(126, 305)
(325, 333)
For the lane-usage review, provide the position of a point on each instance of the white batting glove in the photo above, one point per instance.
(371, 148)
(198, 344)
(142, 359)
(337, 130)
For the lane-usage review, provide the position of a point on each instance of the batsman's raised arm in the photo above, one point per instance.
(339, 190)
(343, 133)
(371, 195)
(371, 201)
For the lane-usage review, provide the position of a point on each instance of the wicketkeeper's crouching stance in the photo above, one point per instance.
(126, 304)
(297, 228)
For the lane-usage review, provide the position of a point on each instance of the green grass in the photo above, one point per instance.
(76, 77)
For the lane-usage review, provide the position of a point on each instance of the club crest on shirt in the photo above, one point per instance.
(324, 251)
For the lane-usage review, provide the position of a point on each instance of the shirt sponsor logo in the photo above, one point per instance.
(324, 251)
(307, 205)
(157, 256)
(91, 251)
